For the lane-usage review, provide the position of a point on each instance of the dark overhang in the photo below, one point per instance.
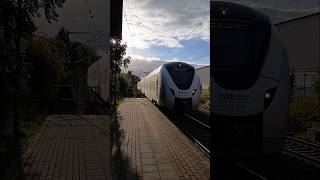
(116, 18)
(228, 10)
(298, 18)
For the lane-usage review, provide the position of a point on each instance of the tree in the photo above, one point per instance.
(117, 61)
(48, 67)
(134, 79)
(16, 19)
(127, 85)
(123, 85)
(63, 35)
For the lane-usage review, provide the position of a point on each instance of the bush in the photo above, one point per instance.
(205, 96)
(316, 83)
(303, 111)
(127, 85)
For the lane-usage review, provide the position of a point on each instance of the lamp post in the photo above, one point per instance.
(113, 43)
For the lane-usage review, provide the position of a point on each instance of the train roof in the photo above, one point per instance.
(228, 10)
(166, 65)
(179, 63)
(153, 72)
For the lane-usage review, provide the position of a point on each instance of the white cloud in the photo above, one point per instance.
(154, 59)
(142, 66)
(134, 56)
(165, 22)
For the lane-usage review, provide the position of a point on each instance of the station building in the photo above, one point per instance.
(204, 74)
(301, 37)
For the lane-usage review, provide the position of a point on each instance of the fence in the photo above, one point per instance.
(304, 80)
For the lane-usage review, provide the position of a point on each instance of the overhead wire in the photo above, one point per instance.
(185, 37)
(185, 14)
(135, 28)
(132, 45)
(95, 26)
(91, 13)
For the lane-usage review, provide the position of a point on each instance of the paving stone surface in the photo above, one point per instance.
(153, 148)
(69, 147)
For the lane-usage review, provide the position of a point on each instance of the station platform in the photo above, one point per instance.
(154, 148)
(69, 147)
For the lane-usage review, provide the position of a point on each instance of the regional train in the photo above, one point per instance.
(174, 86)
(249, 81)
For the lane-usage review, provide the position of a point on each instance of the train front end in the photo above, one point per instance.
(181, 87)
(249, 81)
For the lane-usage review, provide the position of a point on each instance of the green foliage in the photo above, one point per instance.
(303, 111)
(48, 67)
(205, 96)
(21, 13)
(127, 86)
(117, 61)
(57, 61)
(117, 56)
(16, 28)
(47, 59)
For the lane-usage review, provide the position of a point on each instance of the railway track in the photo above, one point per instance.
(196, 130)
(199, 132)
(303, 150)
(298, 160)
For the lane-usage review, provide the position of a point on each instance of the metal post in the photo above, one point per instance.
(18, 64)
(78, 89)
(304, 84)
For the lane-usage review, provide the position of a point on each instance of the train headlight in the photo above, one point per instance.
(268, 96)
(172, 91)
(194, 91)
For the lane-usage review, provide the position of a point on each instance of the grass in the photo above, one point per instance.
(205, 96)
(29, 125)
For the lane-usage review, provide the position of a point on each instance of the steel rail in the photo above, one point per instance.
(194, 119)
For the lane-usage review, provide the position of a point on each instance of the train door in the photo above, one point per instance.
(157, 88)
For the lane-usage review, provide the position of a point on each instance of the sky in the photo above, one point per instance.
(160, 30)
(170, 30)
(178, 30)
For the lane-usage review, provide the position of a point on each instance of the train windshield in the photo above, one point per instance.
(242, 54)
(238, 52)
(181, 73)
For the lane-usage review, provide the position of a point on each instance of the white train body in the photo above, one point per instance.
(250, 80)
(174, 86)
